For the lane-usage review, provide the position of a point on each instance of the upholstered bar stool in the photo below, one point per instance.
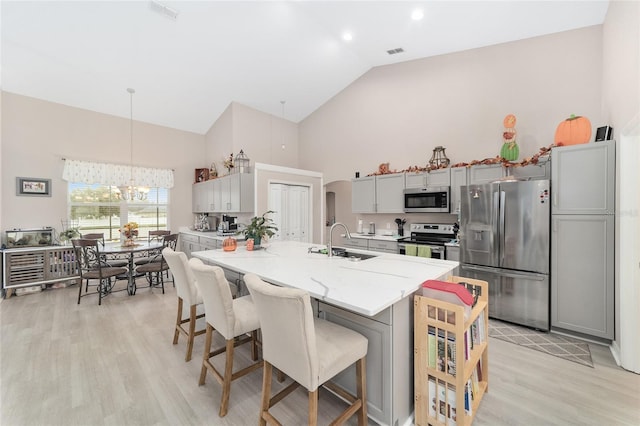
(309, 350)
(188, 293)
(233, 319)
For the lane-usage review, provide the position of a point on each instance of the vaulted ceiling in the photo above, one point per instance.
(187, 60)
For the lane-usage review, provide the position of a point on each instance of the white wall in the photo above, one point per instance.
(260, 135)
(36, 135)
(621, 109)
(399, 113)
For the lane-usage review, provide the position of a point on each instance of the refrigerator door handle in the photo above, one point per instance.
(501, 226)
(495, 233)
(504, 273)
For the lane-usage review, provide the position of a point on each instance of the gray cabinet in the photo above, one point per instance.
(226, 194)
(582, 274)
(363, 195)
(458, 179)
(359, 243)
(485, 173)
(189, 243)
(202, 197)
(236, 193)
(582, 239)
(416, 180)
(389, 359)
(378, 194)
(389, 193)
(383, 246)
(439, 177)
(584, 179)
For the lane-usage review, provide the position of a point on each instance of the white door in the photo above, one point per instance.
(291, 206)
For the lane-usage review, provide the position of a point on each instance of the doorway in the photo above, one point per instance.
(291, 204)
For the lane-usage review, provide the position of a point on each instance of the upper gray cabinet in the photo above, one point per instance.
(226, 194)
(363, 195)
(202, 194)
(485, 174)
(415, 180)
(584, 178)
(458, 179)
(389, 193)
(440, 177)
(378, 194)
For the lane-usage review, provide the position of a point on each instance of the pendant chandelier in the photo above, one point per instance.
(131, 191)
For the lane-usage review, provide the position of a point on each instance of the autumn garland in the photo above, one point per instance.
(383, 169)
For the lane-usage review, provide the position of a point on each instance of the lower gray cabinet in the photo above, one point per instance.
(582, 274)
(389, 359)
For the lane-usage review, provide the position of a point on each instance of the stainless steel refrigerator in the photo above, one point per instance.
(504, 240)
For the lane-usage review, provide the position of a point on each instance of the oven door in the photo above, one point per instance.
(437, 252)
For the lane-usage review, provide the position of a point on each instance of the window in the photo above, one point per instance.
(97, 208)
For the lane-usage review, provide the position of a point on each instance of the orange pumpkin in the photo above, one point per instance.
(574, 130)
(229, 244)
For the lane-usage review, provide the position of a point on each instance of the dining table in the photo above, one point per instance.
(119, 251)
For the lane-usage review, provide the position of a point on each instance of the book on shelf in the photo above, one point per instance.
(442, 404)
(446, 353)
(431, 346)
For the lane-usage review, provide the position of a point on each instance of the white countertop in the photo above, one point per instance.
(366, 287)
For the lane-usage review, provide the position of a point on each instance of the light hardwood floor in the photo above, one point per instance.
(68, 364)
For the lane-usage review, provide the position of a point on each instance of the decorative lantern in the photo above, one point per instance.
(242, 162)
(438, 158)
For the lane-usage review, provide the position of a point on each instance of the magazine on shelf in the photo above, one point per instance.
(446, 356)
(431, 347)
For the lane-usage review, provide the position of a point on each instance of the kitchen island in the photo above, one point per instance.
(371, 296)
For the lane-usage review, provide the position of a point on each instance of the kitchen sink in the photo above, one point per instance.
(341, 252)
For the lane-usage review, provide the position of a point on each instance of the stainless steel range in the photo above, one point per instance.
(434, 235)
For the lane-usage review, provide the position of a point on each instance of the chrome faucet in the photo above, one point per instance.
(330, 245)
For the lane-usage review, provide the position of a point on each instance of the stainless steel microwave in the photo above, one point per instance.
(431, 199)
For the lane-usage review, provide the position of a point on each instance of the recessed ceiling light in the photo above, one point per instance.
(347, 36)
(417, 15)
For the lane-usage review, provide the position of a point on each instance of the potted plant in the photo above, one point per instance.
(69, 234)
(259, 228)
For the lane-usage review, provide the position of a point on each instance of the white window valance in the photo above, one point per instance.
(90, 172)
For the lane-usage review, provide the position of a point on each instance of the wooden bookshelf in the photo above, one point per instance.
(451, 357)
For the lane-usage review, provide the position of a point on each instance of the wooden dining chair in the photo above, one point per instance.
(91, 266)
(157, 265)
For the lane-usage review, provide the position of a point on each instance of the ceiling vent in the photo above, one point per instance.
(395, 51)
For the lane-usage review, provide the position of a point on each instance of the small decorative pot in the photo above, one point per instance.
(229, 244)
(250, 244)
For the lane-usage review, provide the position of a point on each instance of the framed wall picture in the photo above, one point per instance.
(34, 187)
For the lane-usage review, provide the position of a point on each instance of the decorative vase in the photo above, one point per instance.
(250, 244)
(129, 242)
(256, 241)
(229, 244)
